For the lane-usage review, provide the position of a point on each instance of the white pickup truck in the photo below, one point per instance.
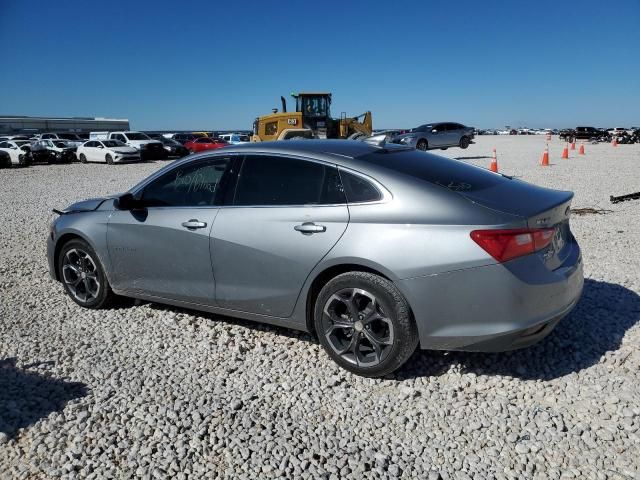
(149, 149)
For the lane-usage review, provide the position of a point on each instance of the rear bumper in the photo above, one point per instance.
(496, 307)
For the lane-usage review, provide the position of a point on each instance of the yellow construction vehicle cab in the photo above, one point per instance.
(312, 119)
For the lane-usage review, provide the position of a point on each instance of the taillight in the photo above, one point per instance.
(505, 245)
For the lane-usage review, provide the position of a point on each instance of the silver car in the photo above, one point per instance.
(437, 135)
(375, 249)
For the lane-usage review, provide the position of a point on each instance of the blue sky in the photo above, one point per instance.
(217, 65)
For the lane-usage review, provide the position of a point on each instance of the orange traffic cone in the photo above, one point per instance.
(581, 151)
(573, 145)
(494, 162)
(565, 152)
(545, 157)
(614, 142)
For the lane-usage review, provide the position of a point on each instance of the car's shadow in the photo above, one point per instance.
(471, 158)
(26, 397)
(596, 326)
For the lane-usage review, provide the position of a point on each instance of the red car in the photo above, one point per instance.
(205, 143)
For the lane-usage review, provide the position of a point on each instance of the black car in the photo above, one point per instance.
(171, 146)
(184, 137)
(53, 151)
(586, 133)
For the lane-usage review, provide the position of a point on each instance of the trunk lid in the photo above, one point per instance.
(539, 207)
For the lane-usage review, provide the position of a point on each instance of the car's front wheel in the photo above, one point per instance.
(83, 275)
(83, 158)
(464, 142)
(365, 324)
(109, 159)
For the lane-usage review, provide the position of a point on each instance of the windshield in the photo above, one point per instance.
(168, 141)
(423, 128)
(21, 143)
(61, 144)
(113, 143)
(137, 136)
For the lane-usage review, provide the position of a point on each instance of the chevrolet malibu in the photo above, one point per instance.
(437, 135)
(374, 249)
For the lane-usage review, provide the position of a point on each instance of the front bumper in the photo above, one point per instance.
(496, 307)
(127, 159)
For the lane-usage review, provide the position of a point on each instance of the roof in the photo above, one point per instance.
(344, 148)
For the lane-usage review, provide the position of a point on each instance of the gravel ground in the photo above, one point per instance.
(154, 392)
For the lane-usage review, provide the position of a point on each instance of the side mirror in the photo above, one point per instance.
(127, 201)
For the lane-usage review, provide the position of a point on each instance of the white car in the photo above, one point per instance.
(235, 138)
(107, 151)
(617, 131)
(149, 149)
(19, 151)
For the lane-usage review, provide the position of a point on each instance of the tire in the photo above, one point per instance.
(83, 158)
(443, 148)
(383, 315)
(464, 142)
(83, 276)
(422, 145)
(109, 159)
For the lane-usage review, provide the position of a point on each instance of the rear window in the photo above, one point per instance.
(451, 174)
(357, 189)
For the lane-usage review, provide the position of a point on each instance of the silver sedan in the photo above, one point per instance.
(374, 249)
(437, 135)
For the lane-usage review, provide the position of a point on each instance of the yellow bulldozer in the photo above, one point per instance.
(312, 119)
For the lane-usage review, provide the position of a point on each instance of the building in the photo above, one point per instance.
(31, 125)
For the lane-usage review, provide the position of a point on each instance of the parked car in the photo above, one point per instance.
(437, 135)
(149, 149)
(182, 137)
(567, 135)
(235, 138)
(107, 151)
(71, 137)
(53, 151)
(205, 143)
(19, 152)
(172, 147)
(586, 133)
(6, 138)
(617, 131)
(375, 249)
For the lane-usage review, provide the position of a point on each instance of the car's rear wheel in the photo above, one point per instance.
(422, 145)
(83, 158)
(83, 275)
(365, 324)
(109, 159)
(464, 142)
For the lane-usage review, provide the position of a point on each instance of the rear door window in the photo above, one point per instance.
(276, 181)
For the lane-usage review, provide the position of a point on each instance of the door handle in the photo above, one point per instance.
(193, 224)
(307, 228)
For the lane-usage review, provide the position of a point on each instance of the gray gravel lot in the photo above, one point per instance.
(154, 392)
